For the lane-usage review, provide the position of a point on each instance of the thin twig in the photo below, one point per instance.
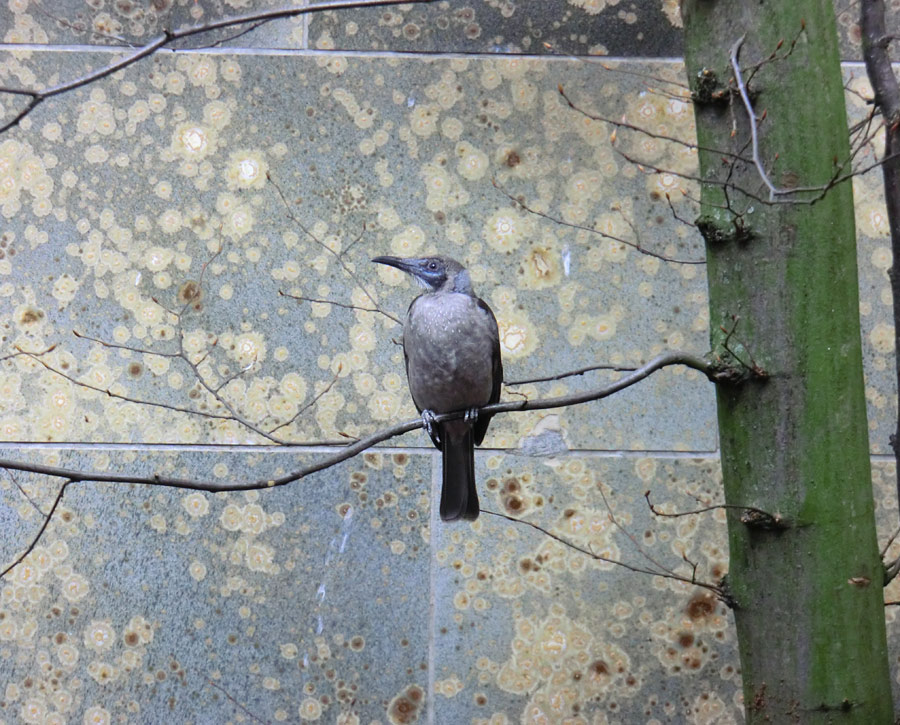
(312, 402)
(717, 590)
(237, 704)
(333, 303)
(37, 537)
(23, 353)
(757, 515)
(646, 131)
(614, 69)
(24, 493)
(890, 541)
(339, 257)
(521, 204)
(615, 522)
(570, 374)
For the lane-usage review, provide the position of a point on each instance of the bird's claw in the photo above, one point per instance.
(428, 423)
(471, 416)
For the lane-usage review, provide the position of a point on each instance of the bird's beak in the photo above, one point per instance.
(398, 262)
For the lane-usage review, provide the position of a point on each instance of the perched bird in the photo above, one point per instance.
(452, 349)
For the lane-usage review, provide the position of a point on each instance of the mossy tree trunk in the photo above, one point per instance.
(807, 583)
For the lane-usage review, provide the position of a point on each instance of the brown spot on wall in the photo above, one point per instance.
(406, 706)
(30, 315)
(701, 605)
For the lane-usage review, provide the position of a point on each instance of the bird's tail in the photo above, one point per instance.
(459, 497)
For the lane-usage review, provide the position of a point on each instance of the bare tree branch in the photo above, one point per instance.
(875, 43)
(713, 370)
(38, 96)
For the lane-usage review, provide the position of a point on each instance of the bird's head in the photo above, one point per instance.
(433, 273)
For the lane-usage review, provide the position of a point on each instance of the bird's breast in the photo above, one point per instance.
(449, 342)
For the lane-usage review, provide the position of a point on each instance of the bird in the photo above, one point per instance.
(451, 344)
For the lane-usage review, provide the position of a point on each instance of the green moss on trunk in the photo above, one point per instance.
(809, 612)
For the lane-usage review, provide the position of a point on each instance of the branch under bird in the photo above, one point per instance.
(452, 348)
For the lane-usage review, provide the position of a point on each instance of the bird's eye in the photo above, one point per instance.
(432, 265)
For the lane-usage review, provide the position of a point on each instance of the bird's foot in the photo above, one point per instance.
(471, 416)
(428, 423)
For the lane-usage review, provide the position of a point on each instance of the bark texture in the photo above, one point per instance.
(807, 587)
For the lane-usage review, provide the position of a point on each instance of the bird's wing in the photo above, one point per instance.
(496, 373)
(436, 426)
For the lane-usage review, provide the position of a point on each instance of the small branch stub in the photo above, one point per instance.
(758, 519)
(707, 89)
(716, 231)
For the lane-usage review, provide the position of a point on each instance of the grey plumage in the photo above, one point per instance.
(452, 349)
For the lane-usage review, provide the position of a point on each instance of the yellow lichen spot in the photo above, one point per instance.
(64, 289)
(362, 338)
(504, 230)
(398, 547)
(310, 709)
(882, 258)
(96, 715)
(59, 550)
(253, 519)
(294, 387)
(34, 710)
(517, 337)
(238, 223)
(423, 120)
(473, 162)
(288, 651)
(260, 557)
(452, 128)
(271, 683)
(384, 405)
(170, 221)
(67, 655)
(408, 242)
(541, 268)
(99, 636)
(246, 170)
(645, 468)
(603, 328)
(872, 218)
(387, 217)
(75, 587)
(193, 141)
(158, 258)
(882, 338)
(195, 504)
(449, 686)
(249, 349)
(197, 570)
